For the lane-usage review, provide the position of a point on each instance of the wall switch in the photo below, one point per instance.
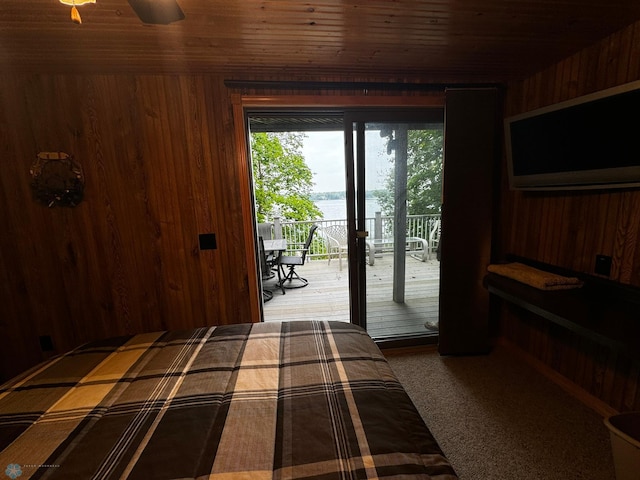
(207, 241)
(603, 265)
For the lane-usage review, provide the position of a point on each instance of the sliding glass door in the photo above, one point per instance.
(374, 260)
(398, 177)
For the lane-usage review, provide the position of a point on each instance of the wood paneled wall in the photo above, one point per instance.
(569, 229)
(159, 171)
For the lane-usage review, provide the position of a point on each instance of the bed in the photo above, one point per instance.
(308, 399)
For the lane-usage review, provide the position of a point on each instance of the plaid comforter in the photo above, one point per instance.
(251, 401)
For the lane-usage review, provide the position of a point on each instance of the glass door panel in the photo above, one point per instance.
(398, 190)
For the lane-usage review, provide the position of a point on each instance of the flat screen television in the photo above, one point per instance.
(590, 142)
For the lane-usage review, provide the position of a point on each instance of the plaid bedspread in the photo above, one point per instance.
(252, 401)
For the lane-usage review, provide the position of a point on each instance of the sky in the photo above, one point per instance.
(324, 154)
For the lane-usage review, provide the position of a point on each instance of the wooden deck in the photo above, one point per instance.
(327, 297)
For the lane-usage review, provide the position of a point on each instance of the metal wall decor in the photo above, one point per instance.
(57, 180)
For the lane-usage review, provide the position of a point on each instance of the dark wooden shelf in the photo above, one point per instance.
(602, 311)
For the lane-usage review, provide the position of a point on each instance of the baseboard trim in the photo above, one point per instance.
(594, 403)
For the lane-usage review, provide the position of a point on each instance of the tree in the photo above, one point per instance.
(282, 179)
(424, 174)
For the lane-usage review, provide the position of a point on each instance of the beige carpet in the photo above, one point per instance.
(497, 418)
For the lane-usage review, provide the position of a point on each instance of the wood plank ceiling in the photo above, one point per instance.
(454, 39)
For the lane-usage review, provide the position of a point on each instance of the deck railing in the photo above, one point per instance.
(380, 226)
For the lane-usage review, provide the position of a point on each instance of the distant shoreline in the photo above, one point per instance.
(319, 196)
(336, 209)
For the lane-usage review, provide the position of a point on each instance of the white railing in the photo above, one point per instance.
(380, 226)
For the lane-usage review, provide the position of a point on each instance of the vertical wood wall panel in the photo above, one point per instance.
(158, 173)
(569, 229)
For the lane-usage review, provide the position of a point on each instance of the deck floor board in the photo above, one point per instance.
(327, 297)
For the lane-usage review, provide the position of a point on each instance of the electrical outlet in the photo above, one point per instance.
(603, 265)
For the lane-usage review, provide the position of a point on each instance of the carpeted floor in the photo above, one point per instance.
(495, 417)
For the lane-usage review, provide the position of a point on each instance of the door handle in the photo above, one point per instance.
(362, 233)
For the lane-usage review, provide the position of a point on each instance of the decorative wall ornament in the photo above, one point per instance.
(57, 179)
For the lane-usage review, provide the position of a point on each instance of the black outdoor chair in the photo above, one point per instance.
(291, 279)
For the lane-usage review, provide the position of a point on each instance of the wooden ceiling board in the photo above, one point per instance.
(484, 40)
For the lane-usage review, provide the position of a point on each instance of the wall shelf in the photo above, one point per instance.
(603, 311)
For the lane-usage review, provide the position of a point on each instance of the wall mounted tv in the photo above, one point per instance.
(591, 142)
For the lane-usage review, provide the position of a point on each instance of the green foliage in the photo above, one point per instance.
(282, 179)
(424, 175)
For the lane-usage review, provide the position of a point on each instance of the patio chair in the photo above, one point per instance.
(291, 279)
(265, 230)
(267, 263)
(336, 237)
(434, 240)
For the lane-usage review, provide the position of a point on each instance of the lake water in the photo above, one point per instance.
(337, 209)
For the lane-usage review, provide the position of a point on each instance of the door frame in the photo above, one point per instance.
(241, 103)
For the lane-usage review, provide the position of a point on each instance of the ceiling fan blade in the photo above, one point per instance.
(157, 11)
